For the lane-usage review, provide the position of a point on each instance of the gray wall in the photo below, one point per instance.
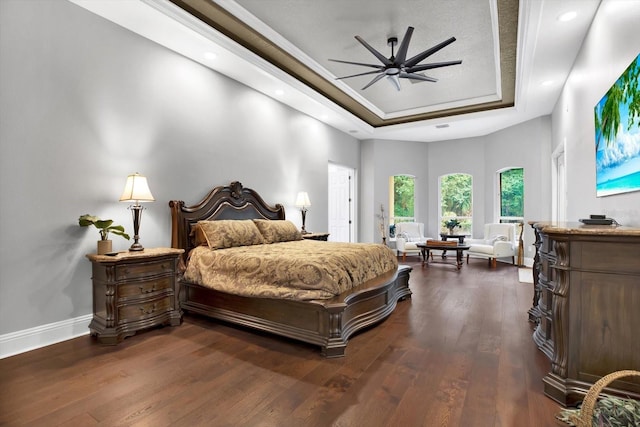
(380, 160)
(612, 43)
(83, 104)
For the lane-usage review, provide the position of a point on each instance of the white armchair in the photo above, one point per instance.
(499, 241)
(407, 235)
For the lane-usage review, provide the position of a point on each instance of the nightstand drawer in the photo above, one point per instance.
(144, 310)
(144, 269)
(146, 287)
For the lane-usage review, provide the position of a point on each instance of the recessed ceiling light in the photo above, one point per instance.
(210, 55)
(568, 16)
(547, 83)
(279, 92)
(324, 116)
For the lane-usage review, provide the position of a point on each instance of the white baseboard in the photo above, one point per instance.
(44, 335)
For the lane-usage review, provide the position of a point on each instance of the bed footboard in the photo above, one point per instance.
(326, 323)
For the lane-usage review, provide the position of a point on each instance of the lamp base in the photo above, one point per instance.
(136, 247)
(136, 211)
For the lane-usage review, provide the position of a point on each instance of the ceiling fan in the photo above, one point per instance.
(397, 66)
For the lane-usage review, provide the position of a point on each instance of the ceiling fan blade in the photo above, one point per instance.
(395, 81)
(375, 79)
(420, 77)
(431, 66)
(421, 56)
(356, 75)
(358, 63)
(404, 46)
(377, 54)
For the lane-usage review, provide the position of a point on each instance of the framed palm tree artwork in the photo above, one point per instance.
(617, 134)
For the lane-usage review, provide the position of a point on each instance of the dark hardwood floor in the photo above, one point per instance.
(459, 353)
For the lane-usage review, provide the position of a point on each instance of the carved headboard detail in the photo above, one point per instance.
(223, 202)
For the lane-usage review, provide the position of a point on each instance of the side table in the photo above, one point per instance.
(134, 291)
(447, 236)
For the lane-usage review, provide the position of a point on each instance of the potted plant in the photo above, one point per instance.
(104, 226)
(451, 224)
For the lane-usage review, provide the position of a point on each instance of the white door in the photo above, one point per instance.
(341, 203)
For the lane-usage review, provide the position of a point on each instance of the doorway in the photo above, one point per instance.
(341, 203)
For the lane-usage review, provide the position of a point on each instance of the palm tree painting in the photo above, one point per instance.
(617, 126)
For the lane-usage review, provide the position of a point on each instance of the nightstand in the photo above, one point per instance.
(134, 291)
(316, 236)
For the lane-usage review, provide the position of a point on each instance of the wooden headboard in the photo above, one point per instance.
(223, 202)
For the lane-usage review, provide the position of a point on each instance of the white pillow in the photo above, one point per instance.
(499, 238)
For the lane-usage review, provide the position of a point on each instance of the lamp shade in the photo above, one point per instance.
(136, 189)
(302, 201)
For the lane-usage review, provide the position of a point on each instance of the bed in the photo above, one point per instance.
(327, 322)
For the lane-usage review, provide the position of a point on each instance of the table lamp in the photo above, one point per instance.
(136, 190)
(302, 202)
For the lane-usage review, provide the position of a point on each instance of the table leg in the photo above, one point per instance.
(459, 258)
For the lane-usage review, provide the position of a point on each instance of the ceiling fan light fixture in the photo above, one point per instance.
(397, 66)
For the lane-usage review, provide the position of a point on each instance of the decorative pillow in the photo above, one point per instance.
(229, 233)
(277, 230)
(499, 238)
(198, 237)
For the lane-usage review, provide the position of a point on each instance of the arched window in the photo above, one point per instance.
(511, 195)
(456, 201)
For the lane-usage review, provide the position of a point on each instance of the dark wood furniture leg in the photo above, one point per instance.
(459, 258)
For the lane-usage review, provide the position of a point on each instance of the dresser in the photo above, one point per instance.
(134, 291)
(588, 308)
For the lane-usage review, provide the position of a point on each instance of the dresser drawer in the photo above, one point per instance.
(143, 310)
(144, 269)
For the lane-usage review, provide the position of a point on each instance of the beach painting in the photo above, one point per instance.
(617, 134)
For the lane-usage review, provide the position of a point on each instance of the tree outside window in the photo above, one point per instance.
(512, 195)
(456, 201)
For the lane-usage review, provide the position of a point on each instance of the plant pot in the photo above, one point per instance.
(451, 231)
(104, 246)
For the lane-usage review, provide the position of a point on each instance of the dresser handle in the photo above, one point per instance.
(147, 291)
(149, 311)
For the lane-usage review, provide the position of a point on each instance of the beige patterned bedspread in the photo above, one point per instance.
(301, 270)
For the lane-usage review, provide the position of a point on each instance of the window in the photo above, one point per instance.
(401, 199)
(511, 193)
(455, 201)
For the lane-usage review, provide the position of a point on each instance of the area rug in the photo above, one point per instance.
(525, 275)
